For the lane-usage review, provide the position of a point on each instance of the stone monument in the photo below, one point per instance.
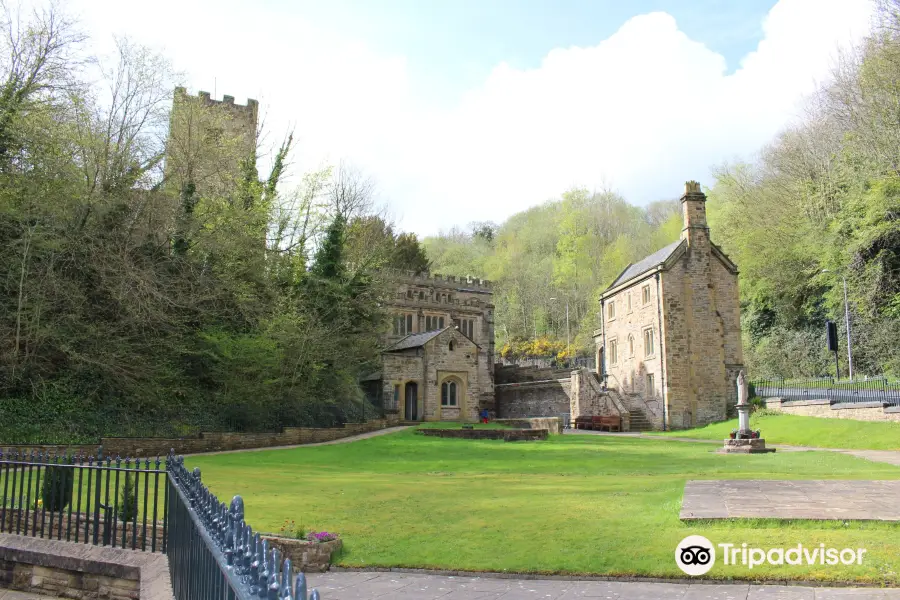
(743, 440)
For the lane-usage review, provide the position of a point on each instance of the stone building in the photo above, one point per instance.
(209, 141)
(670, 341)
(437, 362)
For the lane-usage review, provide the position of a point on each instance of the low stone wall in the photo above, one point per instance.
(551, 424)
(207, 442)
(80, 527)
(64, 569)
(548, 398)
(857, 411)
(507, 435)
(308, 557)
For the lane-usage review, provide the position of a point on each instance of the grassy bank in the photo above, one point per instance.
(806, 431)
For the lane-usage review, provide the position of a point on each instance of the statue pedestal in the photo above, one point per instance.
(745, 446)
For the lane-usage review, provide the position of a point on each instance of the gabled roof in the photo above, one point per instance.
(417, 340)
(646, 264)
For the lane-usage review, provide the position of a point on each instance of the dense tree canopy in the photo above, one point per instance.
(139, 297)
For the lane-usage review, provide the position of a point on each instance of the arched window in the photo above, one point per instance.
(448, 393)
(452, 345)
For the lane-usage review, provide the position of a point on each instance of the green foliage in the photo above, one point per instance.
(140, 301)
(128, 500)
(57, 485)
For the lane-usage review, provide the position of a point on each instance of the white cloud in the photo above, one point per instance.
(644, 110)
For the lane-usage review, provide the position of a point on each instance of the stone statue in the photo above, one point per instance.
(743, 408)
(742, 391)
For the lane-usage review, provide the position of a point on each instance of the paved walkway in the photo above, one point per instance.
(760, 499)
(414, 586)
(891, 457)
(14, 595)
(352, 438)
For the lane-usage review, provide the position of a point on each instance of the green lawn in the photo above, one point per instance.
(805, 431)
(572, 504)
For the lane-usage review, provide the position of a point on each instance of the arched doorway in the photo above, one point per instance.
(411, 396)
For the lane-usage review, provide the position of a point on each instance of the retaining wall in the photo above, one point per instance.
(206, 442)
(858, 411)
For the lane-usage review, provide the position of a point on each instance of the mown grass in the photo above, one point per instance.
(805, 431)
(573, 504)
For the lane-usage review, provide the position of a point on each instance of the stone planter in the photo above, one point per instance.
(308, 557)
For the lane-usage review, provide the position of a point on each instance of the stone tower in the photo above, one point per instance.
(209, 141)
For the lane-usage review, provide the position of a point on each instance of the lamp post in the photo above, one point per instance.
(847, 322)
(568, 355)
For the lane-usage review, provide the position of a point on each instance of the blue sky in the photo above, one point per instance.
(471, 110)
(454, 45)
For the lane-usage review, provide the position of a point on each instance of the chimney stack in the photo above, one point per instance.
(693, 204)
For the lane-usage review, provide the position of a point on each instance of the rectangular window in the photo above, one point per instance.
(396, 395)
(645, 294)
(651, 389)
(611, 310)
(421, 295)
(397, 325)
(648, 342)
(409, 324)
(440, 322)
(629, 301)
(409, 293)
(613, 355)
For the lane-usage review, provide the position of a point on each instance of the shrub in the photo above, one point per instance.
(57, 486)
(128, 501)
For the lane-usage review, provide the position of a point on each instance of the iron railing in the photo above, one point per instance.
(214, 554)
(551, 362)
(102, 501)
(827, 388)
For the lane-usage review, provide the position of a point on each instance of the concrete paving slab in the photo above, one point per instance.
(416, 586)
(781, 499)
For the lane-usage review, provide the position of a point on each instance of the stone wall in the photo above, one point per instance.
(548, 398)
(64, 569)
(857, 411)
(207, 442)
(517, 374)
(307, 557)
(551, 424)
(507, 435)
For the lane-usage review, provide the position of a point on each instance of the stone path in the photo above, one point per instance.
(415, 586)
(891, 457)
(352, 438)
(760, 499)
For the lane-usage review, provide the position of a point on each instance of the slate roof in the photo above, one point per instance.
(645, 264)
(415, 340)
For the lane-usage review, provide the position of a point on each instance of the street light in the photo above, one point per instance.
(568, 355)
(847, 321)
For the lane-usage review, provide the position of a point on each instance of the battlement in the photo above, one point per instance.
(471, 283)
(251, 107)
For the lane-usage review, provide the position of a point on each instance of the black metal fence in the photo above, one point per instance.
(877, 389)
(551, 362)
(213, 553)
(102, 501)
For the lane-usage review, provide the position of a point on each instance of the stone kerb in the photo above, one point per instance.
(552, 424)
(65, 569)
